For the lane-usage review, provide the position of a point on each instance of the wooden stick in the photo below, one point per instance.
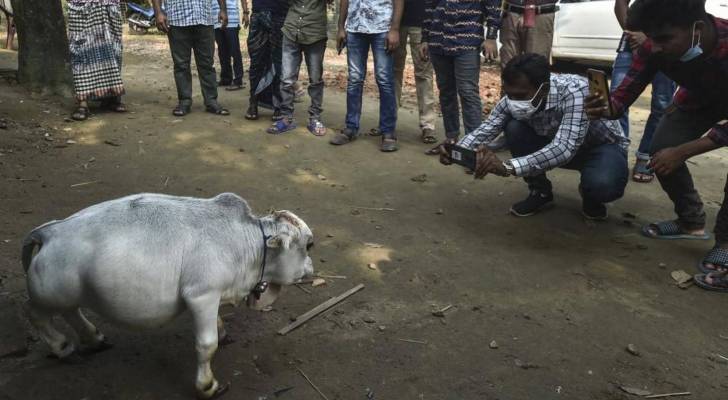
(304, 289)
(312, 384)
(303, 318)
(374, 208)
(83, 184)
(413, 341)
(331, 276)
(660, 396)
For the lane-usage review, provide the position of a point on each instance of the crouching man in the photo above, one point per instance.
(546, 127)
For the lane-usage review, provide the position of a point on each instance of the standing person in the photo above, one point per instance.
(412, 18)
(690, 47)
(452, 37)
(364, 24)
(228, 44)
(189, 27)
(264, 47)
(304, 33)
(94, 36)
(528, 27)
(662, 90)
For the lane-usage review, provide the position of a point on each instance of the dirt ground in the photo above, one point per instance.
(562, 298)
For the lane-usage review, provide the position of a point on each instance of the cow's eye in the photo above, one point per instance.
(309, 246)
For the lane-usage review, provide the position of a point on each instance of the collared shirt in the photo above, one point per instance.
(276, 7)
(454, 26)
(369, 16)
(703, 82)
(414, 13)
(563, 119)
(306, 21)
(189, 12)
(233, 13)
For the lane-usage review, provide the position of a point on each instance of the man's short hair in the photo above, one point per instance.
(651, 15)
(534, 67)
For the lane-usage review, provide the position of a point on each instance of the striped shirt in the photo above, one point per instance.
(189, 12)
(563, 119)
(233, 13)
(454, 26)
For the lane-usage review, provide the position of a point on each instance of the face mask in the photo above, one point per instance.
(524, 109)
(695, 50)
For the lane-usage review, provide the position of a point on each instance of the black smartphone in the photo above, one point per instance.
(340, 48)
(462, 156)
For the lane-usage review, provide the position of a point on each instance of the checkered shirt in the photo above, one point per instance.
(563, 119)
(189, 12)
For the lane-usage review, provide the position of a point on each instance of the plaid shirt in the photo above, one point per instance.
(703, 82)
(189, 12)
(563, 119)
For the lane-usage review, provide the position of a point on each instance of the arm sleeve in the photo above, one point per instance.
(489, 130)
(492, 9)
(640, 74)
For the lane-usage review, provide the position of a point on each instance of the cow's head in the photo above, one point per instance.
(288, 261)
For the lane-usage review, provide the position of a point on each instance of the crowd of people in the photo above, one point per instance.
(547, 120)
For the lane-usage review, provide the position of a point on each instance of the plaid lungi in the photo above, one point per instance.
(94, 31)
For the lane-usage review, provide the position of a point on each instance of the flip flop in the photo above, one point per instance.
(428, 136)
(282, 126)
(252, 113)
(316, 127)
(716, 256)
(181, 110)
(670, 230)
(81, 114)
(719, 284)
(217, 110)
(641, 173)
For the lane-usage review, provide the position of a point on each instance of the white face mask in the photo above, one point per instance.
(524, 109)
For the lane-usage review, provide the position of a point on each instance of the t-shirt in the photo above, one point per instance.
(278, 7)
(414, 13)
(233, 13)
(369, 16)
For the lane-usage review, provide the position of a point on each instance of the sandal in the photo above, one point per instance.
(277, 116)
(344, 137)
(316, 127)
(181, 110)
(428, 136)
(252, 113)
(217, 110)
(282, 126)
(114, 104)
(718, 260)
(669, 230)
(714, 281)
(641, 173)
(81, 114)
(435, 151)
(375, 132)
(389, 144)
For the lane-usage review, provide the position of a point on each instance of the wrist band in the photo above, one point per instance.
(491, 33)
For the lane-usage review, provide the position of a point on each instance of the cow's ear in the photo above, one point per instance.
(277, 241)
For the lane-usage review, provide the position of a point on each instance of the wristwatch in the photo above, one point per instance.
(491, 33)
(510, 169)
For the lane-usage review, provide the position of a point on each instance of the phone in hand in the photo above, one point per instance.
(598, 86)
(462, 156)
(340, 47)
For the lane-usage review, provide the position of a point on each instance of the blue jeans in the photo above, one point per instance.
(603, 168)
(459, 76)
(358, 45)
(662, 91)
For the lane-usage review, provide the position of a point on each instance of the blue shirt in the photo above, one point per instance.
(189, 12)
(233, 13)
(369, 16)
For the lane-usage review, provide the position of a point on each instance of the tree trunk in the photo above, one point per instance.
(43, 59)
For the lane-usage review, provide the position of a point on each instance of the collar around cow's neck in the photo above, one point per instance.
(262, 285)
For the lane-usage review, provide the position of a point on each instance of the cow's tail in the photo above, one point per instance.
(29, 245)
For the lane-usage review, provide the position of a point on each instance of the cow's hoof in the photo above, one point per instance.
(226, 340)
(99, 347)
(219, 392)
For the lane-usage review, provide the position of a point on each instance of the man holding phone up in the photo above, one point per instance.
(542, 116)
(690, 46)
(364, 24)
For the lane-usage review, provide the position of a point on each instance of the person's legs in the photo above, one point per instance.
(233, 41)
(678, 127)
(383, 63)
(277, 56)
(446, 83)
(619, 71)
(663, 89)
(291, 66)
(257, 40)
(314, 54)
(223, 54)
(180, 44)
(423, 81)
(357, 45)
(204, 47)
(510, 37)
(467, 78)
(539, 39)
(604, 175)
(400, 59)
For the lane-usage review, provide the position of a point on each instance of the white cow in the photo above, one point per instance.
(142, 260)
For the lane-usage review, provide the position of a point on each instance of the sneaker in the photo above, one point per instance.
(594, 212)
(346, 136)
(534, 203)
(497, 144)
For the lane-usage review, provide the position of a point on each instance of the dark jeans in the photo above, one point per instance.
(358, 45)
(603, 167)
(459, 76)
(314, 55)
(200, 39)
(228, 51)
(675, 128)
(662, 91)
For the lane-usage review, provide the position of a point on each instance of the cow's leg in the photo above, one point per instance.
(42, 321)
(204, 311)
(90, 335)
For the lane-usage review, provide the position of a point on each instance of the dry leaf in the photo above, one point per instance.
(318, 282)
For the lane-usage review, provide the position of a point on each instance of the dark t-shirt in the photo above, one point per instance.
(414, 13)
(278, 7)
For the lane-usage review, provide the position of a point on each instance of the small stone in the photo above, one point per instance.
(632, 349)
(524, 365)
(321, 177)
(420, 178)
(369, 320)
(267, 309)
(329, 235)
(493, 345)
(372, 266)
(242, 150)
(662, 265)
(439, 211)
(323, 260)
(381, 328)
(69, 141)
(318, 282)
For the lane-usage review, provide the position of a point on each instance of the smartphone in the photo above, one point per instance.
(462, 156)
(598, 85)
(340, 48)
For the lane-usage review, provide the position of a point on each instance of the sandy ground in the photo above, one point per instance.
(562, 298)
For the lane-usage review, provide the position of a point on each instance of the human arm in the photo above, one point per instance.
(426, 26)
(245, 19)
(393, 36)
(493, 15)
(222, 16)
(666, 161)
(159, 16)
(341, 34)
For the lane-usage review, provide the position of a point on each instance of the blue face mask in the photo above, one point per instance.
(695, 50)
